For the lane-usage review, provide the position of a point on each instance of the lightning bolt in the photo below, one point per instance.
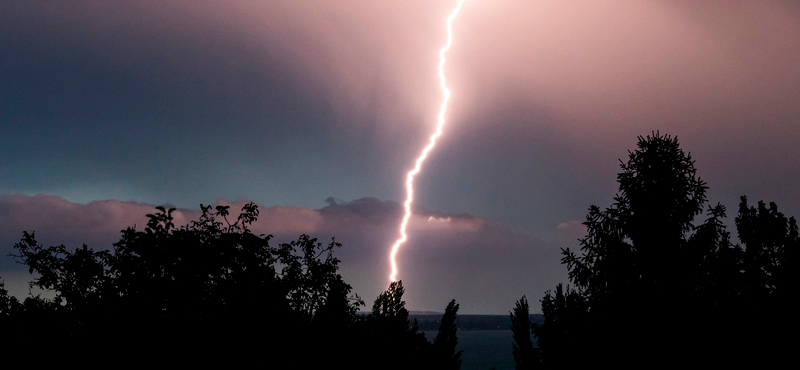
(418, 166)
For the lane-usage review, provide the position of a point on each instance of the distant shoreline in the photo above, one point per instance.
(471, 322)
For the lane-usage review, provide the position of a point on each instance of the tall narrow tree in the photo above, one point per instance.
(525, 356)
(444, 345)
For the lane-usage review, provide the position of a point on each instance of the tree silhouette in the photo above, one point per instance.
(211, 285)
(770, 275)
(77, 277)
(643, 264)
(567, 326)
(635, 244)
(771, 247)
(9, 306)
(216, 288)
(525, 356)
(390, 339)
(444, 345)
(389, 312)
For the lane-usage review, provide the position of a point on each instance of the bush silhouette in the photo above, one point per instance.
(213, 289)
(211, 284)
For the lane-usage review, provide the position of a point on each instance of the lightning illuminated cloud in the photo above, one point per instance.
(429, 147)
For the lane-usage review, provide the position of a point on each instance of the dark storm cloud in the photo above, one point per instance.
(109, 97)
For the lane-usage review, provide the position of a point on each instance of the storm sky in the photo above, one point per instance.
(316, 109)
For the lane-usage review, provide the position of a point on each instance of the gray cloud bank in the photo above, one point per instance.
(482, 264)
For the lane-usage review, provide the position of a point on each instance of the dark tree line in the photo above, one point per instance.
(651, 287)
(212, 290)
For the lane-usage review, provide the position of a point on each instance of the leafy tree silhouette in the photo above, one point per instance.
(650, 284)
(632, 249)
(214, 287)
(769, 276)
(76, 276)
(444, 345)
(9, 306)
(771, 247)
(211, 285)
(718, 277)
(637, 242)
(566, 326)
(525, 356)
(392, 342)
(389, 310)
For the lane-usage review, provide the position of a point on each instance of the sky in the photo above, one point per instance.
(315, 110)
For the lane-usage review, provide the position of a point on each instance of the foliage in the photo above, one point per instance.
(525, 356)
(216, 287)
(444, 345)
(717, 278)
(635, 244)
(389, 310)
(8, 304)
(207, 283)
(771, 247)
(769, 275)
(77, 277)
(390, 341)
(643, 263)
(566, 326)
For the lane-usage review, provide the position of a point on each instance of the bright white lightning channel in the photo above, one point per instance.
(429, 147)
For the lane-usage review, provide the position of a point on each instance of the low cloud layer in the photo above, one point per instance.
(482, 264)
